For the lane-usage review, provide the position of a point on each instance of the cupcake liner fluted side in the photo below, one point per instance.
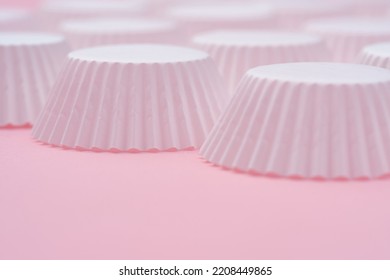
(27, 74)
(132, 107)
(304, 130)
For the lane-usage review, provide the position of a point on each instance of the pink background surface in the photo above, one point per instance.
(64, 204)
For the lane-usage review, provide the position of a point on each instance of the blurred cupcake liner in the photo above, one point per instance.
(105, 31)
(133, 98)
(29, 63)
(293, 14)
(52, 13)
(370, 7)
(376, 55)
(198, 18)
(306, 120)
(16, 20)
(346, 37)
(236, 51)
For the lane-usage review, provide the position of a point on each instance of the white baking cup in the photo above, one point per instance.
(346, 37)
(16, 20)
(54, 12)
(376, 55)
(29, 63)
(293, 14)
(105, 31)
(306, 120)
(236, 51)
(133, 98)
(201, 17)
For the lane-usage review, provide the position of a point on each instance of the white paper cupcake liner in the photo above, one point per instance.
(376, 55)
(106, 31)
(198, 18)
(236, 51)
(29, 63)
(133, 98)
(306, 120)
(346, 37)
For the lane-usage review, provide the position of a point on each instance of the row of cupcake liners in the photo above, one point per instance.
(286, 14)
(289, 126)
(344, 46)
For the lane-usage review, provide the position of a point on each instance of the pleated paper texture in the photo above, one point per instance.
(346, 37)
(236, 51)
(376, 55)
(133, 98)
(106, 31)
(29, 63)
(306, 120)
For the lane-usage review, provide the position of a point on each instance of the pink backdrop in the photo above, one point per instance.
(63, 204)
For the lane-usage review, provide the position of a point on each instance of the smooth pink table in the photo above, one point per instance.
(65, 204)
